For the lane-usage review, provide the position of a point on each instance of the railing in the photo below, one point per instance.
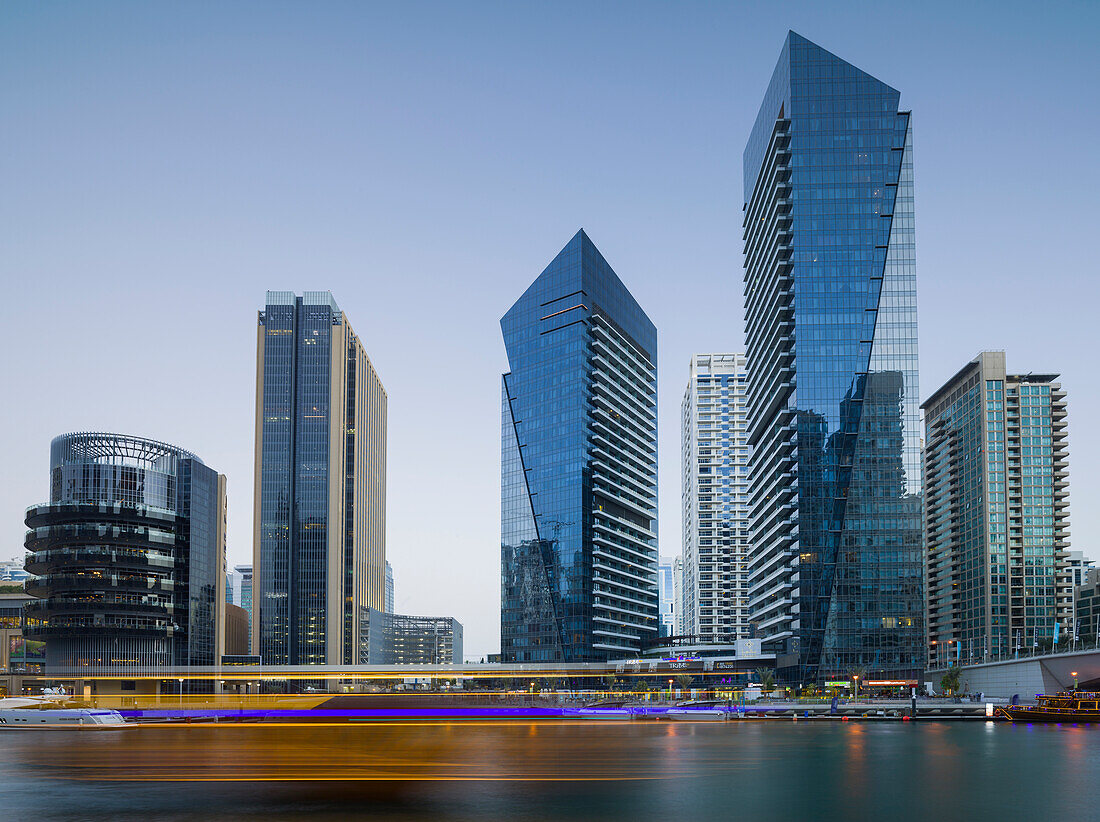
(691, 639)
(949, 659)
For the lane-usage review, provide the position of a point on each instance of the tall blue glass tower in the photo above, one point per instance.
(831, 338)
(578, 467)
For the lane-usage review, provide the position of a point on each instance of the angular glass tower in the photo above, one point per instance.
(319, 549)
(831, 338)
(578, 467)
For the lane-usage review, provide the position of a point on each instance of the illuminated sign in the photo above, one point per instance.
(890, 683)
(837, 683)
(726, 665)
(683, 666)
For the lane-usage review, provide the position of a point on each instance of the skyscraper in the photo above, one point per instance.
(678, 596)
(667, 588)
(831, 343)
(996, 512)
(578, 466)
(714, 495)
(320, 499)
(129, 556)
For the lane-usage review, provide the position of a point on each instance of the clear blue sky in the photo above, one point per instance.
(166, 163)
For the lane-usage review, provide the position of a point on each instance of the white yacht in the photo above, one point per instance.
(45, 712)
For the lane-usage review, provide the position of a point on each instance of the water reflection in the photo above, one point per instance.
(554, 770)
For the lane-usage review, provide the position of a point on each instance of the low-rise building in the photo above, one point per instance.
(399, 639)
(1087, 607)
(12, 570)
(19, 657)
(236, 631)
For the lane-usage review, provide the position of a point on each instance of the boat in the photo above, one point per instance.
(610, 709)
(55, 718)
(1065, 706)
(47, 713)
(699, 711)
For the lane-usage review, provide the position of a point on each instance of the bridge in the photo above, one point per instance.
(1028, 675)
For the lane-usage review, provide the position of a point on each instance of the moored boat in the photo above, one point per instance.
(699, 711)
(58, 718)
(1067, 706)
(609, 709)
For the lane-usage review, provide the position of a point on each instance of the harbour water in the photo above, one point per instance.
(753, 770)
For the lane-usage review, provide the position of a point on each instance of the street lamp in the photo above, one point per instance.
(856, 678)
(1074, 675)
(670, 689)
(181, 692)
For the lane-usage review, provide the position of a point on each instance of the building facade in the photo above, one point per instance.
(1079, 566)
(678, 596)
(128, 556)
(1086, 602)
(319, 548)
(831, 346)
(578, 467)
(398, 639)
(714, 495)
(236, 631)
(996, 512)
(667, 588)
(389, 605)
(13, 571)
(238, 591)
(19, 656)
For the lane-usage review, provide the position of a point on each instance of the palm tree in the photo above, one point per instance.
(684, 681)
(766, 677)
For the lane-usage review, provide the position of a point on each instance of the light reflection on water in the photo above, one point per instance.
(554, 770)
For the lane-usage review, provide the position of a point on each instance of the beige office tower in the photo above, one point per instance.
(996, 510)
(319, 532)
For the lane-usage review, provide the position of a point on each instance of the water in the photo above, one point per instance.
(768, 770)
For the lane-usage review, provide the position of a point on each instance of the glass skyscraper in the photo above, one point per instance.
(320, 499)
(996, 513)
(714, 496)
(578, 467)
(831, 340)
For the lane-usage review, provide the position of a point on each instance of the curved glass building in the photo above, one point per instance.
(129, 555)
